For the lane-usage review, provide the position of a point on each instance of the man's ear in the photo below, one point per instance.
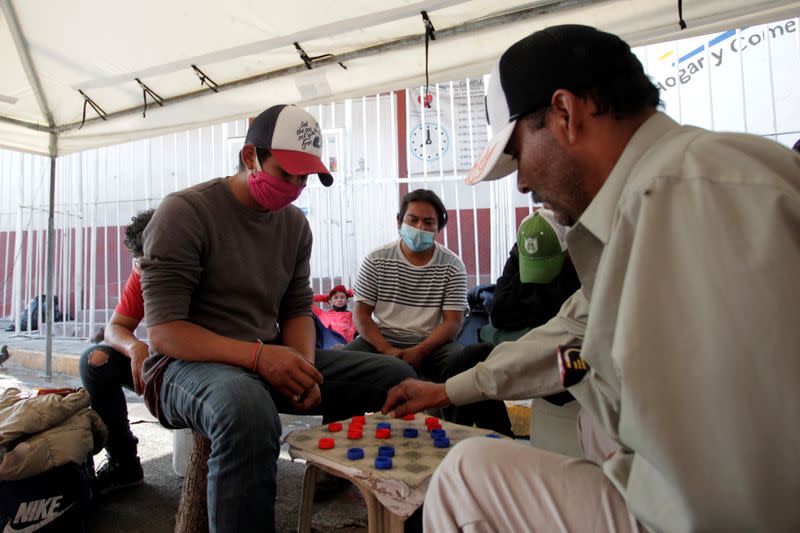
(248, 155)
(567, 112)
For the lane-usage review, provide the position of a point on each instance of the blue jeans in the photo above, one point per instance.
(104, 371)
(238, 411)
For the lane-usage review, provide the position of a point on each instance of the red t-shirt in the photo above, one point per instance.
(132, 302)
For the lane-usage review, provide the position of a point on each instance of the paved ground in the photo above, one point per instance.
(150, 508)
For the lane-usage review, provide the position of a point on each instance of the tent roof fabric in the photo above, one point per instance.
(101, 47)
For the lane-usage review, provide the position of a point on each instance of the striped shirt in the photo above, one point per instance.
(409, 299)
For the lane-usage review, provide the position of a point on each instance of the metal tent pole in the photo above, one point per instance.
(48, 271)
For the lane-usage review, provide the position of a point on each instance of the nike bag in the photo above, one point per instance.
(57, 500)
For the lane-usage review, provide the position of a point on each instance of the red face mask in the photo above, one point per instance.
(270, 192)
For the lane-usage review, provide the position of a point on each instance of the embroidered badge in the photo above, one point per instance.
(532, 245)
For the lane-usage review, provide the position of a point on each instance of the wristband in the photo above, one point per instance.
(256, 355)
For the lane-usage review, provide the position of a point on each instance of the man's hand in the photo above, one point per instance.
(287, 371)
(311, 399)
(413, 396)
(413, 356)
(138, 354)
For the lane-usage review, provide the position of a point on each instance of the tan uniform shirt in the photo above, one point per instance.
(689, 257)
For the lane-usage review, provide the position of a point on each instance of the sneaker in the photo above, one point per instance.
(115, 475)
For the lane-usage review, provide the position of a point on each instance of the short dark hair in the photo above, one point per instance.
(624, 96)
(261, 153)
(424, 195)
(134, 231)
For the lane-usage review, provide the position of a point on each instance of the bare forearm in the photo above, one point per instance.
(369, 331)
(299, 333)
(183, 340)
(121, 339)
(441, 334)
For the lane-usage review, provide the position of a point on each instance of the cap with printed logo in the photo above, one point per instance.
(542, 246)
(571, 57)
(293, 137)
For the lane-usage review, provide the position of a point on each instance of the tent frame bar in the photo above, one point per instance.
(33, 78)
(25, 58)
(404, 42)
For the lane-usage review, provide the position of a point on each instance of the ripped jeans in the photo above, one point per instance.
(104, 371)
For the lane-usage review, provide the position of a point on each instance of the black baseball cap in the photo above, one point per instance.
(293, 137)
(571, 57)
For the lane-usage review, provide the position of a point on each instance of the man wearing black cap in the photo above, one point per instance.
(686, 244)
(225, 278)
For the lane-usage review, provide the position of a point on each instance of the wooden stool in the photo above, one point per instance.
(192, 516)
(384, 513)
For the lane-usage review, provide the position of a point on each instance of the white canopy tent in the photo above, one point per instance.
(63, 59)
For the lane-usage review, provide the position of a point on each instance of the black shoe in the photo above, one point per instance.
(117, 474)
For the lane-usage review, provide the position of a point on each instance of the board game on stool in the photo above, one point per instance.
(390, 460)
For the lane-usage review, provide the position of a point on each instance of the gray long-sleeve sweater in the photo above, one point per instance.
(236, 271)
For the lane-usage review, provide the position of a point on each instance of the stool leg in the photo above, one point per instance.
(392, 523)
(307, 498)
(192, 516)
(375, 512)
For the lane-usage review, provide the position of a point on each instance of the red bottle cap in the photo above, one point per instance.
(325, 443)
(431, 427)
(431, 420)
(383, 433)
(360, 418)
(333, 427)
(412, 416)
(354, 434)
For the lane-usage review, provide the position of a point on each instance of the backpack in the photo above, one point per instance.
(33, 307)
(481, 301)
(57, 500)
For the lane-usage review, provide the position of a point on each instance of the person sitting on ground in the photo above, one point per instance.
(338, 318)
(417, 290)
(228, 303)
(537, 279)
(117, 363)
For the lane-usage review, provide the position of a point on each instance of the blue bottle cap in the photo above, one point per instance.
(386, 451)
(383, 463)
(410, 433)
(442, 443)
(493, 435)
(438, 434)
(386, 425)
(355, 454)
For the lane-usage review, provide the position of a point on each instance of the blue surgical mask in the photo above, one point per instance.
(417, 240)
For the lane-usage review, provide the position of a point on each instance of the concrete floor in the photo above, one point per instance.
(151, 507)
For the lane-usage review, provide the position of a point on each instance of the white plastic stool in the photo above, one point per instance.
(182, 442)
